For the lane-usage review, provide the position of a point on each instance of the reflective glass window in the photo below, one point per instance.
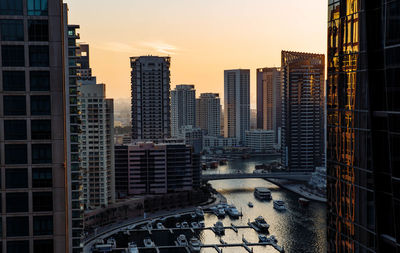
(14, 105)
(11, 7)
(17, 226)
(12, 30)
(15, 154)
(42, 201)
(15, 130)
(13, 56)
(40, 80)
(41, 129)
(38, 30)
(39, 56)
(40, 105)
(43, 246)
(14, 80)
(17, 202)
(37, 7)
(43, 225)
(42, 177)
(41, 153)
(16, 178)
(17, 246)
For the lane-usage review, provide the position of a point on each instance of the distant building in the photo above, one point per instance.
(260, 141)
(84, 71)
(303, 110)
(208, 113)
(193, 136)
(237, 103)
(269, 100)
(150, 88)
(213, 142)
(156, 168)
(97, 144)
(121, 171)
(183, 108)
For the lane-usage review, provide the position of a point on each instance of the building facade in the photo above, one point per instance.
(208, 113)
(150, 87)
(237, 103)
(97, 144)
(303, 145)
(32, 128)
(269, 100)
(260, 141)
(158, 168)
(193, 136)
(183, 108)
(363, 154)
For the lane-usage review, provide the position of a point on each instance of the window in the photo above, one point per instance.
(42, 177)
(37, 7)
(12, 30)
(43, 246)
(15, 154)
(15, 130)
(43, 225)
(38, 30)
(16, 178)
(40, 105)
(392, 23)
(14, 80)
(41, 153)
(14, 105)
(42, 201)
(17, 226)
(18, 246)
(17, 202)
(11, 7)
(41, 129)
(13, 56)
(40, 80)
(39, 56)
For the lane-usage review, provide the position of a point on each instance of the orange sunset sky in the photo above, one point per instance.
(202, 37)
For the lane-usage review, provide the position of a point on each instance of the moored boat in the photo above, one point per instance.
(279, 205)
(262, 193)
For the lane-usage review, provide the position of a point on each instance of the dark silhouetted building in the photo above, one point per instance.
(363, 126)
(303, 106)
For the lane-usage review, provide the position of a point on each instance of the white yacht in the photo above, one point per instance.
(111, 241)
(160, 226)
(262, 193)
(279, 205)
(185, 224)
(233, 212)
(148, 243)
(250, 204)
(132, 248)
(181, 240)
(194, 244)
(261, 223)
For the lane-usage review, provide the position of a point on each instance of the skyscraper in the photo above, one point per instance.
(302, 110)
(363, 149)
(237, 103)
(97, 144)
(32, 128)
(208, 113)
(150, 77)
(84, 71)
(183, 108)
(269, 100)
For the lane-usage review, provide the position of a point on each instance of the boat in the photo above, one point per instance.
(194, 244)
(193, 215)
(261, 224)
(304, 202)
(148, 243)
(195, 225)
(279, 205)
(221, 213)
(250, 204)
(178, 225)
(263, 238)
(262, 193)
(233, 212)
(273, 239)
(132, 248)
(185, 225)
(100, 246)
(219, 228)
(160, 226)
(149, 226)
(202, 224)
(112, 242)
(181, 240)
(199, 212)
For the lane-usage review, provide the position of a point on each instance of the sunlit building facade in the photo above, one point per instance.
(183, 108)
(303, 79)
(208, 113)
(363, 126)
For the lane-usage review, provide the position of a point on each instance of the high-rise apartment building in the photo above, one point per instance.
(183, 108)
(208, 113)
(33, 187)
(269, 100)
(97, 144)
(237, 103)
(84, 71)
(303, 78)
(150, 87)
(363, 149)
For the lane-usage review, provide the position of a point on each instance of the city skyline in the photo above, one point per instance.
(208, 32)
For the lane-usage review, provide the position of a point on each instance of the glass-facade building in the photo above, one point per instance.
(363, 126)
(32, 137)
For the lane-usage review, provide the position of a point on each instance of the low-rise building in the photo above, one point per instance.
(260, 141)
(218, 142)
(193, 136)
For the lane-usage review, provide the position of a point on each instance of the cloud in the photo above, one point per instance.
(139, 48)
(161, 47)
(118, 47)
